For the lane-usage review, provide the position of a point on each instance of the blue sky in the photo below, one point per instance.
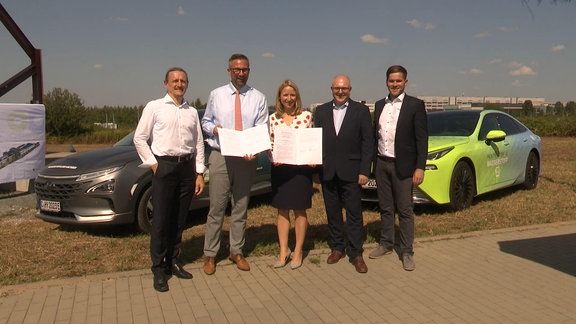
(116, 52)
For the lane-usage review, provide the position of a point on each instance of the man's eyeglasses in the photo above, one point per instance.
(238, 70)
(343, 89)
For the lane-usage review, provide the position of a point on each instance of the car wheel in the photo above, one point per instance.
(532, 171)
(462, 186)
(145, 208)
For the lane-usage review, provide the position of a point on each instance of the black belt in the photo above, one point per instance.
(386, 158)
(172, 158)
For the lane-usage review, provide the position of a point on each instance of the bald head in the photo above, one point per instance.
(341, 89)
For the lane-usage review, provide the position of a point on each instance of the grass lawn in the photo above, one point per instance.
(33, 250)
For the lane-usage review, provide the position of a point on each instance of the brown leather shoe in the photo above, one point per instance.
(209, 265)
(241, 263)
(359, 264)
(334, 257)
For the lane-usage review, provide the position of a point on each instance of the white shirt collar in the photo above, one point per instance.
(400, 98)
(343, 106)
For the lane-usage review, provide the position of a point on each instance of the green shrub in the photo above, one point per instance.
(564, 126)
(95, 136)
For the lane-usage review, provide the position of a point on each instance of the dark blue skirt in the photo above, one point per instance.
(291, 186)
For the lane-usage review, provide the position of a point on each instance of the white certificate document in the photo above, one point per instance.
(297, 146)
(240, 143)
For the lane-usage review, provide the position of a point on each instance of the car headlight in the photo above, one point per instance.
(96, 174)
(435, 155)
(104, 187)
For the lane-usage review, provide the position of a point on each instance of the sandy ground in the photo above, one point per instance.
(18, 207)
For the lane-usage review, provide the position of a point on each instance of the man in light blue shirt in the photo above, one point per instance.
(231, 177)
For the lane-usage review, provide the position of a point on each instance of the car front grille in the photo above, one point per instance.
(419, 197)
(59, 214)
(57, 191)
(369, 195)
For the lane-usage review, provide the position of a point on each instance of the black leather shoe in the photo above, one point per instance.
(179, 272)
(160, 281)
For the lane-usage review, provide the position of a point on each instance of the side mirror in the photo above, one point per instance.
(495, 136)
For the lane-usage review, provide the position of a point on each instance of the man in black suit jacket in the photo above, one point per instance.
(347, 152)
(401, 135)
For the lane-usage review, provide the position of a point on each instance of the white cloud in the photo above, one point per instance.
(517, 83)
(414, 23)
(268, 55)
(520, 69)
(495, 61)
(181, 11)
(507, 29)
(371, 39)
(118, 18)
(558, 48)
(482, 35)
(97, 66)
(418, 25)
(472, 71)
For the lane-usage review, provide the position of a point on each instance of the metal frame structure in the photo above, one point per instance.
(34, 70)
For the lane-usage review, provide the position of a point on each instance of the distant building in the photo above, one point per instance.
(462, 102)
(107, 125)
(314, 105)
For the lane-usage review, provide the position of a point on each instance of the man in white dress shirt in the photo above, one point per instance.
(176, 157)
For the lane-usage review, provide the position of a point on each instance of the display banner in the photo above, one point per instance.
(22, 141)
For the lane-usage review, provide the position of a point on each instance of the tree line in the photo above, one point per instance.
(68, 118)
(528, 109)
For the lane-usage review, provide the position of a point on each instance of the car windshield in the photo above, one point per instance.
(126, 140)
(452, 123)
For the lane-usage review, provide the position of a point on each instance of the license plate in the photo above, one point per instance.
(48, 205)
(371, 184)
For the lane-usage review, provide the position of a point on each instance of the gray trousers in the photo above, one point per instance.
(395, 195)
(230, 180)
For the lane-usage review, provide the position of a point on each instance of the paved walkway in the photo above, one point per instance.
(523, 275)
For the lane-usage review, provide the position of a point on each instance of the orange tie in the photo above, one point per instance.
(237, 113)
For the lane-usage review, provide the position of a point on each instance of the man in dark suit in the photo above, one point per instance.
(347, 145)
(401, 133)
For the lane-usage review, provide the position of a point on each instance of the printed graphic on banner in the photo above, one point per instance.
(22, 141)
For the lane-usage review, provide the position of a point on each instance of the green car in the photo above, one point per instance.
(471, 152)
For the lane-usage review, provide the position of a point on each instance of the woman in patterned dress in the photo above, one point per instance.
(291, 184)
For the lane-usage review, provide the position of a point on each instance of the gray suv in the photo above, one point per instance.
(106, 187)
